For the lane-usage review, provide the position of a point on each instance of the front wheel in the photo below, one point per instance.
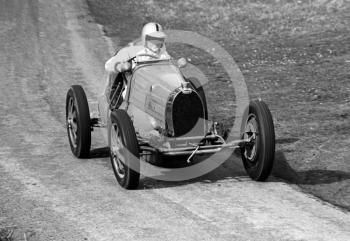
(124, 151)
(78, 121)
(258, 155)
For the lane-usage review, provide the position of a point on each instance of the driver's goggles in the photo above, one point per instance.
(155, 41)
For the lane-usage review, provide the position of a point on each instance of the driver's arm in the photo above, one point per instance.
(121, 57)
(119, 62)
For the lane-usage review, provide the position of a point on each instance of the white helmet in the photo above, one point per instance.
(153, 30)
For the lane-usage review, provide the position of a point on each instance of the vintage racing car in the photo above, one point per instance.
(163, 114)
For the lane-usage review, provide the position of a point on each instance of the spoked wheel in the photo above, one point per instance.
(258, 155)
(78, 121)
(124, 152)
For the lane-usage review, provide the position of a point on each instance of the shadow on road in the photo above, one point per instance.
(287, 140)
(230, 169)
(283, 170)
(233, 169)
(101, 152)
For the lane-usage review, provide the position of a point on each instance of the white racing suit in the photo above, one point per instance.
(126, 54)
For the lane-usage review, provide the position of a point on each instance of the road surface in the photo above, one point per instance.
(47, 194)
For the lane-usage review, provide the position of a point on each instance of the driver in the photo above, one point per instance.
(152, 46)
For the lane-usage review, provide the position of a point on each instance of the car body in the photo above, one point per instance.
(164, 114)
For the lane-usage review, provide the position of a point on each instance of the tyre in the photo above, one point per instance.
(124, 150)
(78, 121)
(258, 156)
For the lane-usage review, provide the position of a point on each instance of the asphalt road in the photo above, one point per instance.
(47, 194)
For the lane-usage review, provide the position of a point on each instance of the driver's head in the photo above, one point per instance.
(153, 37)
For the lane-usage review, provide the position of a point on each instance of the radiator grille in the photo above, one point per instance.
(187, 114)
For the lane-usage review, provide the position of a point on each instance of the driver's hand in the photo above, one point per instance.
(123, 66)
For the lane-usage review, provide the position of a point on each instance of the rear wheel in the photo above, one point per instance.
(124, 151)
(258, 156)
(78, 121)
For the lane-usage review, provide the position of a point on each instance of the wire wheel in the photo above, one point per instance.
(72, 122)
(124, 149)
(258, 155)
(78, 121)
(251, 131)
(116, 147)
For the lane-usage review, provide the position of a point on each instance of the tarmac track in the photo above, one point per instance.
(48, 194)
